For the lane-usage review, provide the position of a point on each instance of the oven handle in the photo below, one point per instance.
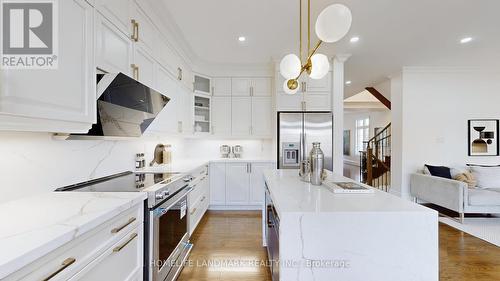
(178, 197)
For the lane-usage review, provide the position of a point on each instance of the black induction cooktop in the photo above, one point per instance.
(122, 182)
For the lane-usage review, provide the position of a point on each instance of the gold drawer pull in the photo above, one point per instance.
(118, 229)
(119, 248)
(193, 211)
(67, 262)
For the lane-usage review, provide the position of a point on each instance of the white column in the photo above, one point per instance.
(338, 112)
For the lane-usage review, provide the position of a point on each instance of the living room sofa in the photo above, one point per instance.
(455, 195)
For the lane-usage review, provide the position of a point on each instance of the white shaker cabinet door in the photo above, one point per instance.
(221, 87)
(117, 11)
(241, 87)
(237, 183)
(144, 65)
(241, 116)
(261, 87)
(257, 183)
(145, 31)
(261, 117)
(217, 183)
(221, 116)
(58, 100)
(113, 48)
(167, 120)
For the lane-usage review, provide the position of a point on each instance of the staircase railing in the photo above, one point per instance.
(375, 160)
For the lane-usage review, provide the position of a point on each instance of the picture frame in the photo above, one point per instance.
(483, 139)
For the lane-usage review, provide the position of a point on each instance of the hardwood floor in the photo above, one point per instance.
(226, 238)
(232, 243)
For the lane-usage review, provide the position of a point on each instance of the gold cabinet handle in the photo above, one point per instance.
(119, 248)
(135, 71)
(135, 30)
(67, 262)
(193, 211)
(120, 228)
(203, 199)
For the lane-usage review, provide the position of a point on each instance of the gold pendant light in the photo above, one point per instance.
(332, 24)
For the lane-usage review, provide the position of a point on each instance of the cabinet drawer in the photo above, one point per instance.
(70, 258)
(196, 212)
(125, 255)
(199, 187)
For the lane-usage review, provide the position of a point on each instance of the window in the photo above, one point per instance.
(362, 133)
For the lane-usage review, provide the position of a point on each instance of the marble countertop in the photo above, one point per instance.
(34, 226)
(291, 195)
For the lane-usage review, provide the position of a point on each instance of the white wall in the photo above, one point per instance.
(434, 108)
(34, 163)
(378, 119)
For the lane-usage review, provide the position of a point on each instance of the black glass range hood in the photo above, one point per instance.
(125, 107)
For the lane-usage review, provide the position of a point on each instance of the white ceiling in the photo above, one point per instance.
(393, 33)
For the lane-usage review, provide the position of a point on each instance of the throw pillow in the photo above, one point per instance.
(487, 177)
(439, 171)
(468, 178)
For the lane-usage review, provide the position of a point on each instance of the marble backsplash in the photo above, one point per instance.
(33, 163)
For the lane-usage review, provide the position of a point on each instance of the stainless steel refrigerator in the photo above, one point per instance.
(296, 133)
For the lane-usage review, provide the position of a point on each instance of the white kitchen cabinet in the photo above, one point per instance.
(202, 84)
(166, 56)
(142, 29)
(143, 67)
(59, 100)
(198, 198)
(255, 86)
(168, 119)
(187, 99)
(241, 116)
(117, 11)
(221, 116)
(221, 87)
(313, 95)
(261, 87)
(237, 183)
(126, 254)
(257, 183)
(261, 117)
(113, 47)
(202, 114)
(217, 183)
(241, 87)
(95, 255)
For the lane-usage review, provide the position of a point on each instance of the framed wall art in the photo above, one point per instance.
(483, 137)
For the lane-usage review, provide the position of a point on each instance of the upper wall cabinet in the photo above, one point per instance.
(221, 87)
(142, 30)
(116, 10)
(202, 84)
(251, 86)
(313, 95)
(59, 100)
(143, 66)
(113, 47)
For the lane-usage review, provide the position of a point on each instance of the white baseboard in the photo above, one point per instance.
(235, 208)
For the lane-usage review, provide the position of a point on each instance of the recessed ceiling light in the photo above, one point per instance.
(348, 82)
(465, 40)
(354, 39)
(242, 38)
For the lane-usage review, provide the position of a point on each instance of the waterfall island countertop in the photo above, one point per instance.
(330, 236)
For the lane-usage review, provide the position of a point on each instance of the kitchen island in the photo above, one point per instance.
(321, 235)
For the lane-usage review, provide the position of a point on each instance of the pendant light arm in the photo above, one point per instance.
(306, 65)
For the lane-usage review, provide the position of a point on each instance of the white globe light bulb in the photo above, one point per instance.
(320, 66)
(290, 66)
(288, 90)
(333, 23)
